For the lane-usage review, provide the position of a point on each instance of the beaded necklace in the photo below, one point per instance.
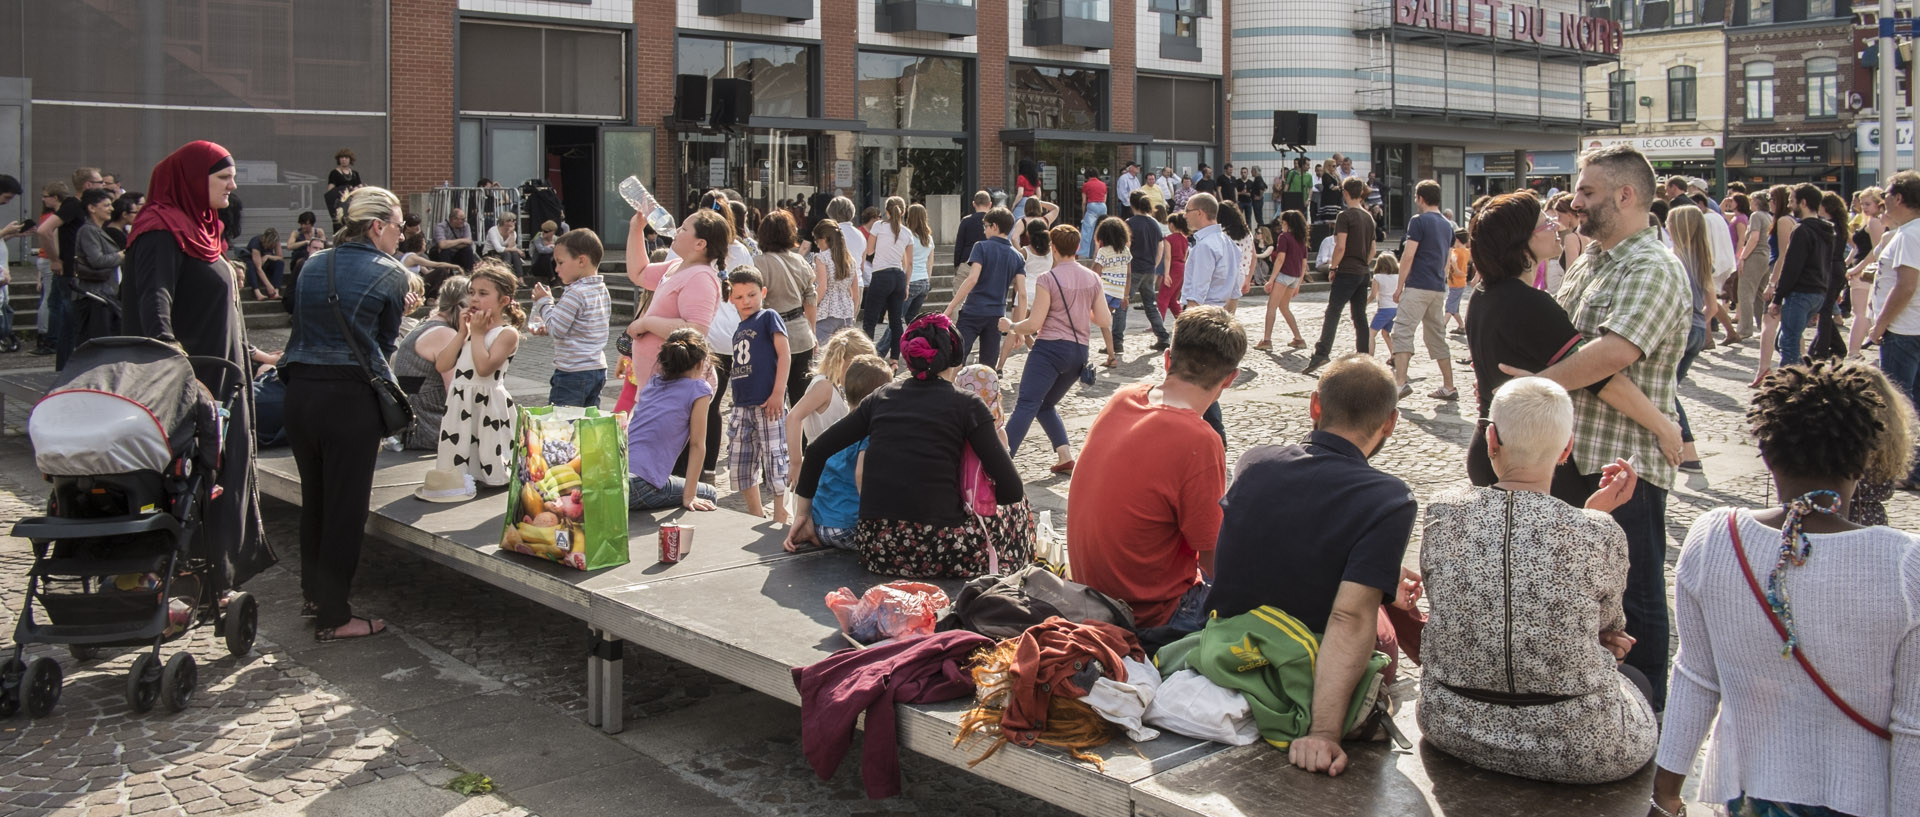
(1795, 547)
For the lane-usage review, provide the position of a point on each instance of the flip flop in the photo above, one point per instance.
(374, 627)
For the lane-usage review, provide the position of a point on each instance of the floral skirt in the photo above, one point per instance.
(920, 551)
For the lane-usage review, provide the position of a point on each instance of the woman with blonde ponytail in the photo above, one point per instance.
(892, 252)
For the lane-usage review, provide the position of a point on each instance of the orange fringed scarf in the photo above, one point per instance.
(1071, 725)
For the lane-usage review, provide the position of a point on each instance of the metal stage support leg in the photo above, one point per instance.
(606, 707)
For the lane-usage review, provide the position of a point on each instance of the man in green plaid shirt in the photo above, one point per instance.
(1629, 296)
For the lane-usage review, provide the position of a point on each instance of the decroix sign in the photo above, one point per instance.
(1523, 23)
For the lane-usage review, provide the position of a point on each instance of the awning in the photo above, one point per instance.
(805, 123)
(1026, 136)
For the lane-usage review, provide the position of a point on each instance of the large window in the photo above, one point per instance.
(1759, 91)
(901, 92)
(223, 71)
(1620, 96)
(523, 69)
(1177, 109)
(1054, 97)
(1823, 88)
(1686, 12)
(782, 75)
(1683, 94)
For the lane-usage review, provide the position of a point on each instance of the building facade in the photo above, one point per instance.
(1414, 90)
(1668, 95)
(778, 99)
(797, 99)
(1790, 95)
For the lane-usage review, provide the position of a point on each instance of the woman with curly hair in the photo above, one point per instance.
(1837, 730)
(913, 521)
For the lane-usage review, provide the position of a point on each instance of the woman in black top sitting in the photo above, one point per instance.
(1514, 324)
(913, 521)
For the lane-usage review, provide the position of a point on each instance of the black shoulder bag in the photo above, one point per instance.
(396, 414)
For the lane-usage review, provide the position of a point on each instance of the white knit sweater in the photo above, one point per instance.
(1856, 608)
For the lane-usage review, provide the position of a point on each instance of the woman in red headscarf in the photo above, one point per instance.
(180, 289)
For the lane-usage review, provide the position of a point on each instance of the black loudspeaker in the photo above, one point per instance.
(1296, 128)
(690, 97)
(732, 102)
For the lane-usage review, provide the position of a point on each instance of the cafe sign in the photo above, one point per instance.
(1522, 23)
(1676, 146)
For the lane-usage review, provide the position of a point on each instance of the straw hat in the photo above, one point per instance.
(446, 485)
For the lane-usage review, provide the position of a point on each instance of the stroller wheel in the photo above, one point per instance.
(40, 686)
(143, 683)
(177, 682)
(12, 672)
(240, 623)
(83, 653)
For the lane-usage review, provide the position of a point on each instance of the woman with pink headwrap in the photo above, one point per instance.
(913, 521)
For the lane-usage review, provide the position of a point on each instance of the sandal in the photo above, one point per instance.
(1296, 343)
(374, 627)
(1111, 363)
(1264, 345)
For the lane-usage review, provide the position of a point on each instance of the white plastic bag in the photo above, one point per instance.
(1191, 705)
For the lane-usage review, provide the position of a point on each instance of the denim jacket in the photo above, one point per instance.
(373, 291)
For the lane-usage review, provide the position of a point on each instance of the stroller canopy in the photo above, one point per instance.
(122, 405)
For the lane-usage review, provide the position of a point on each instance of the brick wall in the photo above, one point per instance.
(1121, 84)
(653, 88)
(1788, 50)
(421, 76)
(991, 80)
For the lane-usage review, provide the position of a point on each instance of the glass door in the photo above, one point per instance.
(514, 153)
(623, 152)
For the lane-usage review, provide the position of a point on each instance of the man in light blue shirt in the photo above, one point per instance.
(1213, 263)
(1128, 182)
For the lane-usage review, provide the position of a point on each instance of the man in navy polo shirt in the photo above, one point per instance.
(980, 301)
(1316, 531)
(1423, 291)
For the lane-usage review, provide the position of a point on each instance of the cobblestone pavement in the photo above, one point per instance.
(266, 730)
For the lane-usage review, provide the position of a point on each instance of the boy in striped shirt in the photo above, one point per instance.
(578, 321)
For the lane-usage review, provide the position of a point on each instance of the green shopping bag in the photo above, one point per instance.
(568, 499)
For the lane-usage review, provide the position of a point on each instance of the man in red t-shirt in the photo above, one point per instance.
(1150, 477)
(1093, 204)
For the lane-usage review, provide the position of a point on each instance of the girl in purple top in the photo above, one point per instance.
(671, 414)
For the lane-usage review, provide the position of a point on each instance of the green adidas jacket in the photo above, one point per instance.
(1268, 657)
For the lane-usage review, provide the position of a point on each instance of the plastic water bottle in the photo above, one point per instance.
(636, 195)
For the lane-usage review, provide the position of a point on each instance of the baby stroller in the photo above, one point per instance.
(130, 439)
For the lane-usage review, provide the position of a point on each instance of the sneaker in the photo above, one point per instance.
(1456, 331)
(1692, 467)
(1406, 390)
(1314, 364)
(1162, 344)
(41, 350)
(1444, 393)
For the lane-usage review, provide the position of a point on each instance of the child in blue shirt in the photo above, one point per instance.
(836, 504)
(759, 384)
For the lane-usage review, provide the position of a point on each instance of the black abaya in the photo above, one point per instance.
(181, 299)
